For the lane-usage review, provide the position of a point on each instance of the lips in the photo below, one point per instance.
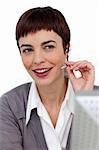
(41, 72)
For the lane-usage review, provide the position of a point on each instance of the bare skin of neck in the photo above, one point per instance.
(52, 98)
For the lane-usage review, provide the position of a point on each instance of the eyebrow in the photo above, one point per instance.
(26, 45)
(46, 42)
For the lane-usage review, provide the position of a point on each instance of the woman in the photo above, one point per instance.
(38, 115)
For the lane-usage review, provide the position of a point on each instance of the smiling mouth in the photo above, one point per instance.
(42, 72)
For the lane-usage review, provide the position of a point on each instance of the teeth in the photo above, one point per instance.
(41, 71)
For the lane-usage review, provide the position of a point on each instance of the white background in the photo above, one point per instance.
(83, 19)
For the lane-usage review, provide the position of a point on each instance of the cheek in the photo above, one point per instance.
(27, 62)
(58, 59)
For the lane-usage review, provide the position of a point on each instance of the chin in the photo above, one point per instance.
(43, 82)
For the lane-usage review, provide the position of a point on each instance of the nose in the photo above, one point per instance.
(38, 58)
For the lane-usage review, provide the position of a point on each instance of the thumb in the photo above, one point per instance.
(71, 74)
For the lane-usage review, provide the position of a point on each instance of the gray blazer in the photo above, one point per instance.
(14, 134)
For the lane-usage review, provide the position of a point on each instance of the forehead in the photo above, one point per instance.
(40, 36)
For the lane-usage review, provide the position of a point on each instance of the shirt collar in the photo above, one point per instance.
(34, 99)
(71, 97)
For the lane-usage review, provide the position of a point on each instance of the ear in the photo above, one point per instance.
(67, 51)
(66, 56)
(67, 46)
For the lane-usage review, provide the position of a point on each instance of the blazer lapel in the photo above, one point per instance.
(68, 145)
(38, 131)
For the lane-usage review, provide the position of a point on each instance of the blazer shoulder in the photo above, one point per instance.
(18, 91)
(16, 99)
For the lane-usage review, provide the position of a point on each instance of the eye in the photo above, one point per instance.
(27, 50)
(49, 47)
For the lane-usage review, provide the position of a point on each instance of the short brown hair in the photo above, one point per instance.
(46, 18)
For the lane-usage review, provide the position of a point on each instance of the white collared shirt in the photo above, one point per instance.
(56, 138)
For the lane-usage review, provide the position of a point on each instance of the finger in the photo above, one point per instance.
(71, 74)
(83, 67)
(74, 64)
(82, 64)
(69, 63)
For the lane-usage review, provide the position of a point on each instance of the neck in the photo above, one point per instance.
(53, 95)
